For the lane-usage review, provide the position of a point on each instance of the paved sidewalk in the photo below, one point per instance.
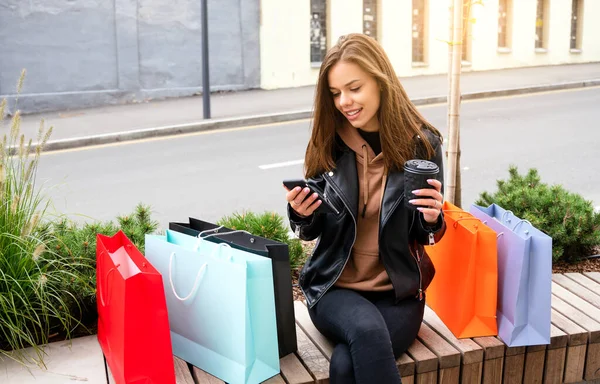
(115, 123)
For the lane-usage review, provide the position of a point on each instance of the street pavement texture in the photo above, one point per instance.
(119, 121)
(211, 174)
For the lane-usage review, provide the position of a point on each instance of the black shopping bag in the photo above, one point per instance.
(282, 279)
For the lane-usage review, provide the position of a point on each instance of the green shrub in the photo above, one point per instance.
(268, 225)
(566, 217)
(75, 240)
(33, 301)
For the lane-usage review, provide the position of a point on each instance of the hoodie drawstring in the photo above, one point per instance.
(365, 178)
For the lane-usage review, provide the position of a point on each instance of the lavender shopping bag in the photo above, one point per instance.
(524, 277)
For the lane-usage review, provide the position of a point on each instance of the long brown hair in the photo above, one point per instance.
(399, 119)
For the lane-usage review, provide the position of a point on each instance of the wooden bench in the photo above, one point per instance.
(573, 354)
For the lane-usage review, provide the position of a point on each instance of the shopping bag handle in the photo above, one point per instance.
(519, 223)
(217, 249)
(196, 282)
(102, 301)
(464, 218)
(217, 233)
(199, 275)
(506, 212)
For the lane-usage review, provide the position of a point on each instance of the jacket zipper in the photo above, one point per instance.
(337, 212)
(334, 187)
(417, 258)
(431, 238)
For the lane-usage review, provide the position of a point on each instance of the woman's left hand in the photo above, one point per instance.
(430, 201)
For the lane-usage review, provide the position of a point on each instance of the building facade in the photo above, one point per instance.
(87, 53)
(295, 35)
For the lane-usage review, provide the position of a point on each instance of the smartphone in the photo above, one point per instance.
(325, 207)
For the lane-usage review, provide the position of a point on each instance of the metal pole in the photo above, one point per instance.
(205, 74)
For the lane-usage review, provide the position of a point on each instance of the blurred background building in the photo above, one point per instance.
(93, 52)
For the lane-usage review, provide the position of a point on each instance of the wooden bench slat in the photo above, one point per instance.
(204, 377)
(492, 347)
(425, 360)
(577, 289)
(182, 372)
(558, 338)
(576, 347)
(512, 351)
(535, 356)
(312, 357)
(448, 355)
(575, 364)
(534, 365)
(293, 371)
(592, 360)
(275, 380)
(493, 358)
(585, 281)
(304, 321)
(579, 318)
(575, 334)
(575, 300)
(514, 366)
(406, 366)
(592, 366)
(593, 275)
(471, 352)
(555, 366)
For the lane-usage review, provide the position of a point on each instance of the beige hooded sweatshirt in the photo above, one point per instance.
(364, 270)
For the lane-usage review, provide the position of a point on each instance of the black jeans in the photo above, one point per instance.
(370, 331)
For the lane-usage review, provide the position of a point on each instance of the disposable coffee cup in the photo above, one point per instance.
(416, 174)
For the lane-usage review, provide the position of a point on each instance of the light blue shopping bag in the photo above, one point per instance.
(221, 306)
(524, 277)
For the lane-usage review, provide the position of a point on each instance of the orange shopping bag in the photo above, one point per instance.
(465, 288)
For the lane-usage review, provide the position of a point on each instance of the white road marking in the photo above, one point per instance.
(281, 165)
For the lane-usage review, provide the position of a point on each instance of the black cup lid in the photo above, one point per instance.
(422, 167)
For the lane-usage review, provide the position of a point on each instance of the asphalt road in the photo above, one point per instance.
(212, 174)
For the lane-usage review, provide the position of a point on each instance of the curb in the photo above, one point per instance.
(172, 130)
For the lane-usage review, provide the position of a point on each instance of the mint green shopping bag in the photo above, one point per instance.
(221, 306)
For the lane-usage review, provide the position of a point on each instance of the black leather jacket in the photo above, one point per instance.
(402, 232)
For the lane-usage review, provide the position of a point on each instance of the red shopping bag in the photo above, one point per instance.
(133, 325)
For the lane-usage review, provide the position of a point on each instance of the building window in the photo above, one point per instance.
(318, 31)
(370, 18)
(576, 23)
(418, 31)
(504, 23)
(466, 38)
(541, 25)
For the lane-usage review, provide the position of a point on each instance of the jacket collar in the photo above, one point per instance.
(346, 180)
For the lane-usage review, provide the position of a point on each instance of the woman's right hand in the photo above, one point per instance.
(301, 204)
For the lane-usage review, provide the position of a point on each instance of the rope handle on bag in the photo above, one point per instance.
(197, 246)
(464, 218)
(519, 223)
(102, 301)
(505, 214)
(196, 282)
(199, 276)
(216, 230)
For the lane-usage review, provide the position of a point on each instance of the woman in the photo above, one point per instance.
(365, 281)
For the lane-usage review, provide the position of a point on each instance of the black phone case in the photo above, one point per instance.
(325, 207)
